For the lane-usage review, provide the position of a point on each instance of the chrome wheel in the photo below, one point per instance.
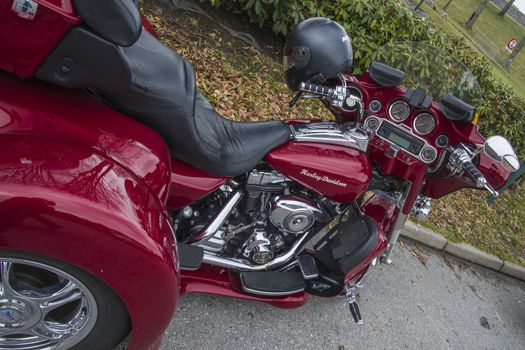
(42, 307)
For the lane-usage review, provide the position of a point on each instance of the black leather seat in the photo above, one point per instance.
(164, 96)
(153, 84)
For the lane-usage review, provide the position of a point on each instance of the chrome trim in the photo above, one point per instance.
(245, 265)
(441, 137)
(263, 178)
(258, 247)
(372, 118)
(219, 219)
(373, 109)
(353, 100)
(430, 160)
(390, 110)
(422, 115)
(350, 292)
(332, 133)
(421, 208)
(287, 207)
(270, 294)
(395, 231)
(351, 299)
(439, 163)
(405, 129)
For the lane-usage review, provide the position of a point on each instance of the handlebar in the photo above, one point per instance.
(473, 171)
(316, 89)
(336, 96)
(460, 161)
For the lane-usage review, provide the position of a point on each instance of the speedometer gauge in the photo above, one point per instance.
(399, 111)
(424, 123)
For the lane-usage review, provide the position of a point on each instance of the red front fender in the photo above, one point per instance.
(72, 204)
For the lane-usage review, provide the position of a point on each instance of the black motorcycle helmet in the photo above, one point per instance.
(316, 50)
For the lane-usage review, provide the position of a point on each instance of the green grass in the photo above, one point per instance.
(497, 29)
(498, 229)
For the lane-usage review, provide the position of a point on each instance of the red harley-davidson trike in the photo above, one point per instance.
(121, 188)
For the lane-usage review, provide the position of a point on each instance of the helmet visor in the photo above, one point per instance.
(289, 61)
(298, 58)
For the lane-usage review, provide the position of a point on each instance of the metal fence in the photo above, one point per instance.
(489, 48)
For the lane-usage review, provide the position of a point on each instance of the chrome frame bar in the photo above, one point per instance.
(219, 219)
(397, 226)
(395, 231)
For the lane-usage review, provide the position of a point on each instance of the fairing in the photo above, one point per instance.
(435, 184)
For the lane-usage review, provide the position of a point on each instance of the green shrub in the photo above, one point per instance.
(371, 24)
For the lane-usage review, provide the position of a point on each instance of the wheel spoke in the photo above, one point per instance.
(6, 268)
(46, 307)
(23, 341)
(44, 331)
(67, 294)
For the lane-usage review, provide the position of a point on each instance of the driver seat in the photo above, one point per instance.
(133, 72)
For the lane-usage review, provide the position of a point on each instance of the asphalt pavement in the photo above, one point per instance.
(422, 301)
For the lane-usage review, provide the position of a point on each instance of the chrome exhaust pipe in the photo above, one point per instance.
(244, 265)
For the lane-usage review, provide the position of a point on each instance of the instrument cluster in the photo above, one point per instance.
(417, 130)
(406, 127)
(423, 123)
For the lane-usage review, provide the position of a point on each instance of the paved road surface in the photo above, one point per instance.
(406, 306)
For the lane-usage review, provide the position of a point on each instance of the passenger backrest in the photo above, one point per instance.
(117, 21)
(84, 59)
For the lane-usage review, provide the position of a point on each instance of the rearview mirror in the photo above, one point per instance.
(500, 149)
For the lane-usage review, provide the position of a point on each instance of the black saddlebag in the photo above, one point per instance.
(347, 244)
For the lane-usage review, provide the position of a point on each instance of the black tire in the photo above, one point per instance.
(112, 323)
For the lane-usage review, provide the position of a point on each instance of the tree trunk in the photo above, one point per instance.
(446, 5)
(515, 52)
(473, 17)
(506, 8)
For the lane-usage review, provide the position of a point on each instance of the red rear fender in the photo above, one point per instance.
(71, 204)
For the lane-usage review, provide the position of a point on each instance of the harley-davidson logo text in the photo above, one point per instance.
(323, 178)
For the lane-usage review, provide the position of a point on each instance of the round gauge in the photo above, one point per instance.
(375, 106)
(372, 123)
(399, 111)
(424, 123)
(428, 154)
(442, 141)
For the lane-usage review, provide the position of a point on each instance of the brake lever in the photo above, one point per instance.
(491, 189)
(295, 99)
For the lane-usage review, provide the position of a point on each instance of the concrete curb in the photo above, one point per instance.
(463, 251)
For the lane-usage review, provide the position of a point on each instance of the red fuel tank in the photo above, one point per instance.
(339, 173)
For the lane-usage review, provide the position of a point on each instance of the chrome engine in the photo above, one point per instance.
(294, 214)
(254, 221)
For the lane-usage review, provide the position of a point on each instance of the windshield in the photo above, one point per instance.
(432, 69)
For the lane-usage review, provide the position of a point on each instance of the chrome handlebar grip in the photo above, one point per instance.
(459, 162)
